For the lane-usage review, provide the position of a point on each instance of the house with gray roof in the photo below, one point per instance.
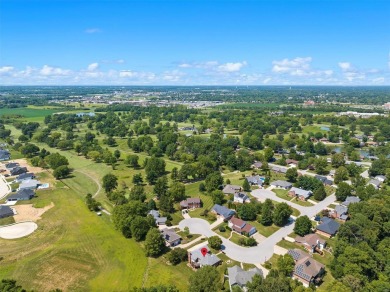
(255, 180)
(340, 212)
(306, 270)
(223, 211)
(11, 165)
(239, 277)
(156, 215)
(171, 237)
(324, 180)
(312, 242)
(22, 195)
(282, 184)
(18, 170)
(24, 176)
(4, 155)
(375, 183)
(6, 211)
(302, 194)
(257, 165)
(191, 203)
(381, 178)
(197, 260)
(328, 227)
(31, 184)
(241, 198)
(231, 189)
(350, 200)
(279, 169)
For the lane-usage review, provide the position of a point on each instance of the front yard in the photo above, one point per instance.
(283, 194)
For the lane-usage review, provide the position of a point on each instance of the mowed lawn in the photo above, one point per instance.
(74, 249)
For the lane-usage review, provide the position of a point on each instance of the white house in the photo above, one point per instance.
(241, 198)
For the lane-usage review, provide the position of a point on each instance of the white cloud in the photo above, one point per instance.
(173, 76)
(267, 80)
(92, 30)
(231, 67)
(93, 66)
(53, 71)
(295, 66)
(6, 69)
(120, 61)
(379, 80)
(345, 66)
(127, 74)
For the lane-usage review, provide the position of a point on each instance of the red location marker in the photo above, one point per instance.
(204, 251)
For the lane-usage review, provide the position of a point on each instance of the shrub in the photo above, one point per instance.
(222, 229)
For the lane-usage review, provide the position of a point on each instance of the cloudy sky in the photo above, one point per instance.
(336, 42)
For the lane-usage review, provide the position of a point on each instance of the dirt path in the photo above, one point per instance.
(146, 274)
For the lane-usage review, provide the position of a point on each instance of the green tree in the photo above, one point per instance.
(9, 285)
(154, 243)
(137, 193)
(266, 213)
(215, 242)
(213, 181)
(268, 154)
(292, 174)
(55, 160)
(343, 191)
(341, 174)
(338, 160)
(61, 172)
(177, 255)
(137, 179)
(320, 164)
(177, 191)
(302, 225)
(206, 279)
(110, 182)
(166, 203)
(139, 228)
(286, 264)
(174, 174)
(161, 187)
(282, 214)
(247, 212)
(154, 168)
(246, 186)
(202, 187)
(218, 197)
(319, 193)
(132, 160)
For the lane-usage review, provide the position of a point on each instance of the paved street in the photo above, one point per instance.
(264, 250)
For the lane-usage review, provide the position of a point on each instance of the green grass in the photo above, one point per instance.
(30, 113)
(73, 243)
(264, 230)
(283, 194)
(7, 221)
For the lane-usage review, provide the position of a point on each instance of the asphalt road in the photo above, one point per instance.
(264, 250)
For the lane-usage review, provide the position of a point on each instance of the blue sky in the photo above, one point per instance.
(195, 42)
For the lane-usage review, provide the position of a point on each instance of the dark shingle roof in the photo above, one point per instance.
(328, 225)
(223, 211)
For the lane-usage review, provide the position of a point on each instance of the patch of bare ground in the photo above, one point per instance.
(30, 213)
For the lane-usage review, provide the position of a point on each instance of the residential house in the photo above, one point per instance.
(375, 183)
(18, 170)
(197, 260)
(328, 227)
(282, 184)
(6, 211)
(324, 180)
(223, 211)
(301, 194)
(255, 180)
(332, 172)
(312, 242)
(279, 169)
(306, 270)
(31, 184)
(380, 178)
(156, 215)
(241, 198)
(241, 227)
(11, 165)
(239, 277)
(171, 237)
(324, 140)
(257, 165)
(22, 195)
(4, 155)
(24, 176)
(350, 200)
(231, 189)
(191, 203)
(340, 212)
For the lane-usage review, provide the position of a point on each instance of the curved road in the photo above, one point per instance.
(264, 250)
